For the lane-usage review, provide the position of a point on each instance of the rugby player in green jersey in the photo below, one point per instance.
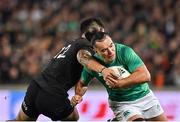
(130, 98)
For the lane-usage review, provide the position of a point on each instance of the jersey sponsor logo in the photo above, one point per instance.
(62, 52)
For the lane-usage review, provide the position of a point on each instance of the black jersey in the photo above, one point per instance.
(64, 70)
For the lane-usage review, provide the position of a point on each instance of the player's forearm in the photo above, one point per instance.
(141, 75)
(94, 65)
(80, 88)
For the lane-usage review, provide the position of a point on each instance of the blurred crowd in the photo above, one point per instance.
(33, 31)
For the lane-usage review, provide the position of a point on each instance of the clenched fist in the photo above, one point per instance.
(76, 99)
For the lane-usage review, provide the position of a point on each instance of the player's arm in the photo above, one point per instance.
(81, 87)
(85, 58)
(140, 75)
(80, 90)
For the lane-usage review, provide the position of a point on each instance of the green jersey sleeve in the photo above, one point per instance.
(132, 60)
(86, 76)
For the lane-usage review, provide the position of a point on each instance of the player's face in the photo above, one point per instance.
(106, 49)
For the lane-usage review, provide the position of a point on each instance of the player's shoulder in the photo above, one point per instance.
(123, 48)
(82, 43)
(77, 43)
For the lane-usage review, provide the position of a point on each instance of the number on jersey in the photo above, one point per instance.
(62, 52)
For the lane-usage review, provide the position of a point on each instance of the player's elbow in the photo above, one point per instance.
(146, 73)
(147, 76)
(83, 57)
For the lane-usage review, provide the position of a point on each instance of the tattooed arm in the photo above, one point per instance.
(84, 57)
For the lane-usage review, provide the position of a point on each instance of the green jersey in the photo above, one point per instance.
(128, 59)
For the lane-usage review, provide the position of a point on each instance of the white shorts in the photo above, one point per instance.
(147, 106)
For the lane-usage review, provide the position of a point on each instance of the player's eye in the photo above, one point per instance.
(111, 45)
(103, 50)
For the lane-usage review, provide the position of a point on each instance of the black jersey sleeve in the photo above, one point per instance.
(86, 45)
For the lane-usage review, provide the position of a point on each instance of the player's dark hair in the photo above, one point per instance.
(86, 25)
(97, 36)
(88, 22)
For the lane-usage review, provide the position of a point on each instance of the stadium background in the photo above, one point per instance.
(33, 31)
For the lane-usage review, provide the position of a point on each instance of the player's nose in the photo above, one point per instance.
(110, 51)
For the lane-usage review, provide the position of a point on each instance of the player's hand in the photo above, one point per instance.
(76, 99)
(107, 72)
(115, 83)
(111, 82)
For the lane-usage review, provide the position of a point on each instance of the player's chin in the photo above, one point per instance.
(112, 57)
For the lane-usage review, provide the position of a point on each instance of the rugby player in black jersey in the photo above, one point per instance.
(47, 94)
